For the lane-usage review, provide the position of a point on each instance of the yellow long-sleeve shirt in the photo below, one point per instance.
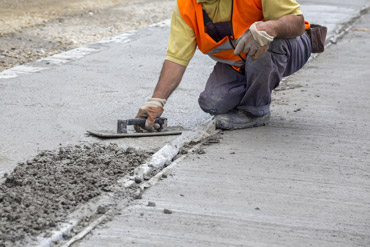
(182, 41)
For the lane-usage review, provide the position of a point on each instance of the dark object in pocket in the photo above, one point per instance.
(317, 34)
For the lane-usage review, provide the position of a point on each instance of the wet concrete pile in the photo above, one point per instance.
(43, 191)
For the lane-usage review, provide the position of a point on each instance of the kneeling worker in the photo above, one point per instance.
(255, 44)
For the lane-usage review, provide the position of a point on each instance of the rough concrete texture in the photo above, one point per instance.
(39, 193)
(303, 180)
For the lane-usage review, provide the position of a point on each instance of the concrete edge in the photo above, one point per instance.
(342, 29)
(73, 54)
(151, 182)
(158, 161)
(346, 26)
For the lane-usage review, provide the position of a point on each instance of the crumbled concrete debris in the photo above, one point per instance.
(41, 192)
(67, 236)
(167, 211)
(102, 209)
(167, 163)
(183, 150)
(151, 204)
(138, 180)
(200, 151)
(138, 194)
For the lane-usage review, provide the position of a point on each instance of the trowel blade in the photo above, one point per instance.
(107, 134)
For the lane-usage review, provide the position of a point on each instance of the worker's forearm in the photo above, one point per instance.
(289, 26)
(169, 79)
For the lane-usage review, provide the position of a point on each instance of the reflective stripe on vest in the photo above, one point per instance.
(244, 14)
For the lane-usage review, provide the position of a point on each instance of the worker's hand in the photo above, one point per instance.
(152, 109)
(253, 43)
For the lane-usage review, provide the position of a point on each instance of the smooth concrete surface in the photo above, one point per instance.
(303, 180)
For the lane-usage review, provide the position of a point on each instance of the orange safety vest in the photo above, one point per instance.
(244, 14)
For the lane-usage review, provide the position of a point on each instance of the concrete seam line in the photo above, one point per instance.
(203, 131)
(85, 231)
(169, 151)
(341, 31)
(165, 170)
(154, 180)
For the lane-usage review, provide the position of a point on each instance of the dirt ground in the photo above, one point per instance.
(32, 29)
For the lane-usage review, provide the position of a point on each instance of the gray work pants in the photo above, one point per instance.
(227, 89)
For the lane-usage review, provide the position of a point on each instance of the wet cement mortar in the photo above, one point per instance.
(42, 191)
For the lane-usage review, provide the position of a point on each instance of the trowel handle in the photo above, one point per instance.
(141, 121)
(122, 124)
(136, 121)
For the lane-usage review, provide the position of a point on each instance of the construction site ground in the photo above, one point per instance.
(303, 180)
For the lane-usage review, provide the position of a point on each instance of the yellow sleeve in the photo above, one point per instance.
(274, 9)
(182, 41)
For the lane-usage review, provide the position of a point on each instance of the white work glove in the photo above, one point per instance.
(253, 43)
(152, 109)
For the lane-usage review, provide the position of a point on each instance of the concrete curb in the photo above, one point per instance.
(158, 160)
(345, 27)
(151, 182)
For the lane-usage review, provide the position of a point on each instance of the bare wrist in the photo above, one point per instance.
(268, 27)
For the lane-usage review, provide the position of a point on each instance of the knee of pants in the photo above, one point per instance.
(218, 104)
(210, 106)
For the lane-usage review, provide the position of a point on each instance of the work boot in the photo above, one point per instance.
(238, 119)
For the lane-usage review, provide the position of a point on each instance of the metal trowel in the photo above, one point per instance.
(123, 132)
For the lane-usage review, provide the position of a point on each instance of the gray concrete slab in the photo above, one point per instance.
(55, 100)
(303, 180)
